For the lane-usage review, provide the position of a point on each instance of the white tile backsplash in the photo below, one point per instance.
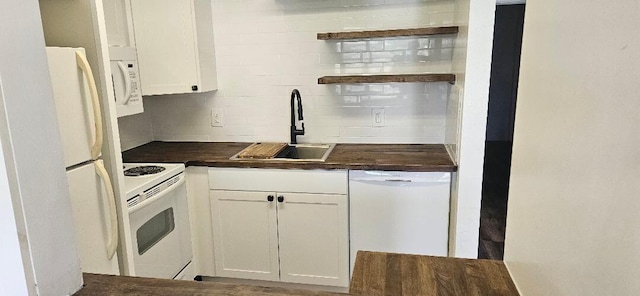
(135, 130)
(458, 67)
(264, 49)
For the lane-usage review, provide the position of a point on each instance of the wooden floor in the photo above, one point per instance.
(495, 189)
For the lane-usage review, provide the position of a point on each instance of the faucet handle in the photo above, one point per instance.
(300, 132)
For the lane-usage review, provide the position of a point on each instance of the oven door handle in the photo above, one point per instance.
(158, 196)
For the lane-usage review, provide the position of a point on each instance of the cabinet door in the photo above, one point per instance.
(245, 238)
(117, 16)
(314, 239)
(165, 40)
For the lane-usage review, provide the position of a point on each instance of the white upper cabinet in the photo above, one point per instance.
(174, 40)
(117, 15)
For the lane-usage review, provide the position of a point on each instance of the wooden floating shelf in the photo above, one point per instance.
(451, 78)
(388, 33)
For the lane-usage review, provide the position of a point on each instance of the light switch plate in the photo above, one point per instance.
(217, 117)
(377, 116)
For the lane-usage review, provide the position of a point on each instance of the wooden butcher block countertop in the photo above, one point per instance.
(388, 157)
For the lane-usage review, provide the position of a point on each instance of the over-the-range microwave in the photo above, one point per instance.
(126, 82)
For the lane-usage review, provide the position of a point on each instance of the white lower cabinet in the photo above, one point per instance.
(245, 235)
(281, 235)
(313, 239)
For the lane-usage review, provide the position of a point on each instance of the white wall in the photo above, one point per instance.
(466, 121)
(573, 226)
(33, 159)
(266, 48)
(13, 280)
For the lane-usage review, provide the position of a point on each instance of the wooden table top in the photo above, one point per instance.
(100, 284)
(399, 274)
(374, 274)
(388, 157)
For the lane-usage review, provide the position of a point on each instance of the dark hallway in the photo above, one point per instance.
(503, 90)
(495, 190)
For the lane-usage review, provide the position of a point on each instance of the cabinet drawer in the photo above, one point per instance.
(302, 181)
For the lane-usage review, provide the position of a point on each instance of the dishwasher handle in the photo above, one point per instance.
(398, 180)
(399, 177)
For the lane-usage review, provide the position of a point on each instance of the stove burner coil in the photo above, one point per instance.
(143, 170)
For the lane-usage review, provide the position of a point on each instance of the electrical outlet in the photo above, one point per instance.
(217, 117)
(377, 116)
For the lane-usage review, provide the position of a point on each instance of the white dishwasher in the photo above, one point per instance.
(399, 212)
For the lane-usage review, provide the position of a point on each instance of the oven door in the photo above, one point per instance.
(160, 229)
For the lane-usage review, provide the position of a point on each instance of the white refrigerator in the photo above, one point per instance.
(92, 196)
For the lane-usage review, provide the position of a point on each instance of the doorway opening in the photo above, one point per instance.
(505, 69)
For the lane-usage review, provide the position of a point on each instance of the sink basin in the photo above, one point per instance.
(299, 152)
(305, 152)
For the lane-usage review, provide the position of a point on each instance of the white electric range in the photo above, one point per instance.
(139, 177)
(159, 220)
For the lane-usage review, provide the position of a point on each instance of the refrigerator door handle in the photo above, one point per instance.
(95, 103)
(112, 245)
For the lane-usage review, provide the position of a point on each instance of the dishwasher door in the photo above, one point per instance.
(399, 212)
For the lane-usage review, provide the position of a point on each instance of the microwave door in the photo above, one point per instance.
(124, 74)
(127, 82)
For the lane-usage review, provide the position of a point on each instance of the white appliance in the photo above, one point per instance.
(80, 124)
(126, 80)
(159, 220)
(399, 212)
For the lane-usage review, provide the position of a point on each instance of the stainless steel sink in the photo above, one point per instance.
(299, 152)
(305, 152)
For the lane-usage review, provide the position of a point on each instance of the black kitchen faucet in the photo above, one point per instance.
(295, 131)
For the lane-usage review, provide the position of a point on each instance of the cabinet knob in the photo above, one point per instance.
(280, 198)
(270, 198)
